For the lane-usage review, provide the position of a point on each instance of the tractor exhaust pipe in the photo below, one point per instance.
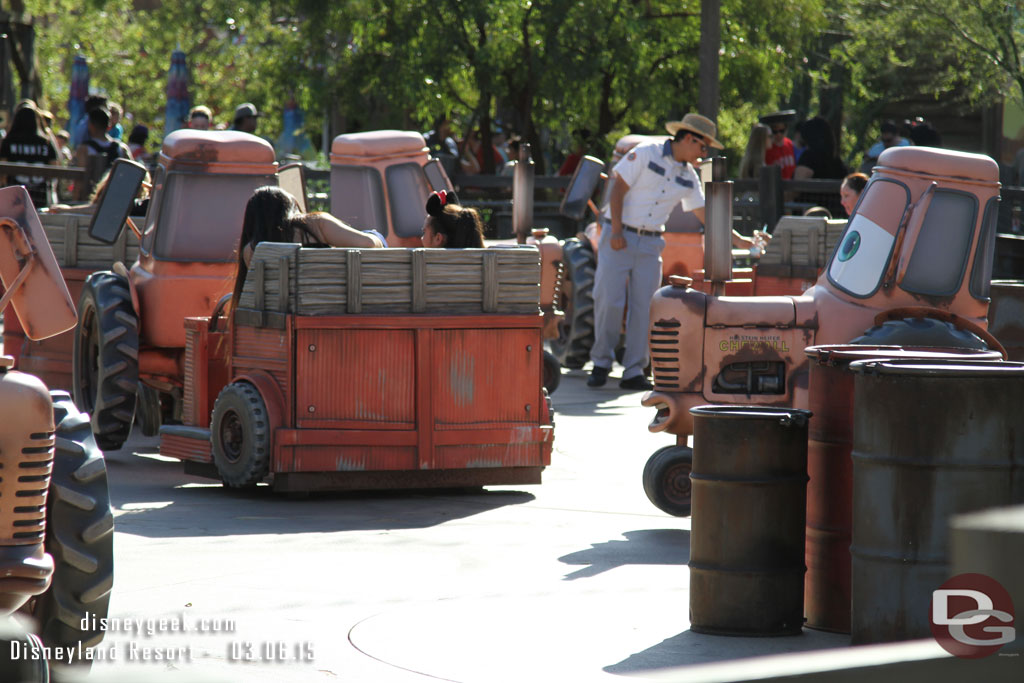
(718, 230)
(523, 182)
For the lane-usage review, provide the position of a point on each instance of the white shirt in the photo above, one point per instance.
(657, 182)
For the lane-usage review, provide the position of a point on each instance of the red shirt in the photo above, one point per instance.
(782, 155)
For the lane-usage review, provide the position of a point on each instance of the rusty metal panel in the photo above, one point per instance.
(486, 376)
(738, 345)
(747, 534)
(489, 455)
(762, 311)
(262, 348)
(193, 370)
(931, 439)
(356, 378)
(352, 458)
(185, 448)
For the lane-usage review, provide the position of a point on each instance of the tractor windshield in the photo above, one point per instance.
(200, 215)
(940, 254)
(357, 197)
(860, 260)
(407, 191)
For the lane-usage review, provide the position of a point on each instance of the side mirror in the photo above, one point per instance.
(437, 177)
(582, 187)
(118, 199)
(292, 179)
(29, 271)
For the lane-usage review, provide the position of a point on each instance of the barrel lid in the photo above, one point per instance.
(837, 354)
(785, 415)
(939, 367)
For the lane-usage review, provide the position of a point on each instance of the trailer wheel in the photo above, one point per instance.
(667, 479)
(106, 358)
(920, 332)
(576, 331)
(148, 411)
(552, 372)
(79, 535)
(240, 432)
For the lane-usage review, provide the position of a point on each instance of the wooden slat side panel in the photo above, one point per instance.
(185, 449)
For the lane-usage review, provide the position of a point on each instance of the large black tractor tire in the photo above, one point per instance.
(667, 479)
(552, 372)
(920, 332)
(240, 431)
(106, 358)
(79, 535)
(576, 331)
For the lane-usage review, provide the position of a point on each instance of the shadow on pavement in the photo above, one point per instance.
(648, 546)
(689, 648)
(153, 497)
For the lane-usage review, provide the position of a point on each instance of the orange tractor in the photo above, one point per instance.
(439, 353)
(129, 360)
(56, 524)
(913, 267)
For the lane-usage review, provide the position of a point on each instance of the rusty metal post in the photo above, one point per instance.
(747, 532)
(718, 229)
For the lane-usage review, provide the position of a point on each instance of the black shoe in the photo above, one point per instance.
(638, 383)
(598, 376)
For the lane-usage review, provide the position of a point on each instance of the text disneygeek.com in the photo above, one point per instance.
(135, 651)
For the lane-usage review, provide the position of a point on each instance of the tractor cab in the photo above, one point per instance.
(381, 180)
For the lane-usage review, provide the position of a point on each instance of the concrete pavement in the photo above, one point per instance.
(577, 579)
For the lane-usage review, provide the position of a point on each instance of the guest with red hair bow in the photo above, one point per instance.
(450, 226)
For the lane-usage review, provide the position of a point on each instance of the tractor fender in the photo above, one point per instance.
(122, 270)
(272, 396)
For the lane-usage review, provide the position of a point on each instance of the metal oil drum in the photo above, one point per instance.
(931, 439)
(1006, 316)
(830, 472)
(749, 480)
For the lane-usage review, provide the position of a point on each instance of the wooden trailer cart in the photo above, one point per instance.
(370, 369)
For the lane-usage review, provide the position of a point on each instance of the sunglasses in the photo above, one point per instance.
(779, 131)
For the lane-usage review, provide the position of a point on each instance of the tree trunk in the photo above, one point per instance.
(710, 42)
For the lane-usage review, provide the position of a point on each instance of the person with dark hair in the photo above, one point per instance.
(450, 226)
(273, 215)
(246, 118)
(890, 137)
(780, 151)
(137, 142)
(26, 143)
(80, 128)
(581, 143)
(439, 139)
(97, 152)
(923, 134)
(820, 159)
(849, 191)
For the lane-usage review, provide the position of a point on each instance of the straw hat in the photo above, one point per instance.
(698, 125)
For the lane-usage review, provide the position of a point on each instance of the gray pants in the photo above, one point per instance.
(625, 279)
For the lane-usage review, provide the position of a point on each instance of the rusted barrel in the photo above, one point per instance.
(931, 439)
(1006, 316)
(830, 488)
(749, 480)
